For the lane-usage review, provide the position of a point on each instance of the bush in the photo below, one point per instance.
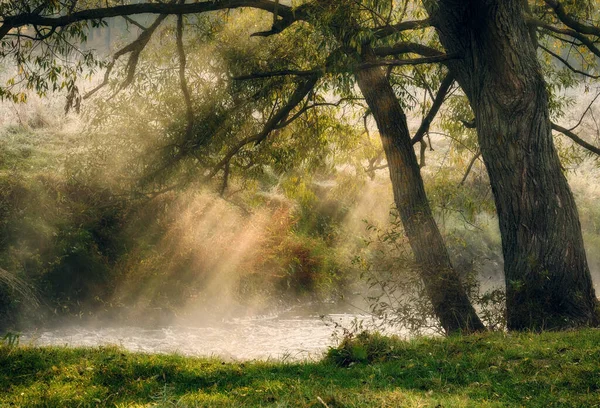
(365, 348)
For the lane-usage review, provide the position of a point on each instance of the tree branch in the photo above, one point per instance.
(388, 30)
(469, 168)
(405, 48)
(571, 22)
(299, 94)
(135, 48)
(408, 61)
(135, 23)
(189, 110)
(435, 107)
(567, 64)
(576, 139)
(566, 31)
(23, 19)
(585, 112)
(313, 106)
(283, 72)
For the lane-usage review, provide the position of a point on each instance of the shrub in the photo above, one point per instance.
(365, 347)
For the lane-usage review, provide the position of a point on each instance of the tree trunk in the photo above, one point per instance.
(442, 282)
(548, 283)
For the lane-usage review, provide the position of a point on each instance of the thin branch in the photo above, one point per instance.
(23, 19)
(406, 48)
(435, 107)
(307, 107)
(104, 82)
(469, 168)
(408, 61)
(566, 31)
(567, 64)
(388, 30)
(135, 48)
(40, 36)
(138, 47)
(135, 23)
(455, 139)
(576, 139)
(585, 112)
(283, 72)
(573, 43)
(182, 80)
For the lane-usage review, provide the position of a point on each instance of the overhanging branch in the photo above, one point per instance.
(23, 19)
(189, 110)
(407, 48)
(567, 64)
(283, 72)
(308, 107)
(135, 48)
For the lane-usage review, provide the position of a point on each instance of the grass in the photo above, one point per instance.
(490, 370)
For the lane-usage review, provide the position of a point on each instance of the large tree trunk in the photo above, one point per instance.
(548, 281)
(442, 282)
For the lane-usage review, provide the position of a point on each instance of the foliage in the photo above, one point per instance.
(58, 235)
(46, 60)
(90, 249)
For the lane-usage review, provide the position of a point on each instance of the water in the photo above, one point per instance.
(289, 338)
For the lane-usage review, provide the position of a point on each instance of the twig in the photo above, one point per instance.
(469, 168)
(322, 402)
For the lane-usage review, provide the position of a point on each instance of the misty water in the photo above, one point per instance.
(285, 337)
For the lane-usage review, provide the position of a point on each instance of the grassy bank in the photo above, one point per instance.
(550, 369)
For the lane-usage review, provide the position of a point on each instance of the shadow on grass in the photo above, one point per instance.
(551, 369)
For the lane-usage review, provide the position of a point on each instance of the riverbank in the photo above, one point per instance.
(549, 369)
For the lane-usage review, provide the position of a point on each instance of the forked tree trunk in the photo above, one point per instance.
(442, 282)
(548, 281)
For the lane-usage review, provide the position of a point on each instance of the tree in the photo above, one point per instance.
(442, 282)
(547, 277)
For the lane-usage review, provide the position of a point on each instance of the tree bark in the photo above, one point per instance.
(548, 283)
(443, 285)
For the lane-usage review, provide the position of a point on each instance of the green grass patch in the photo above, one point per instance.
(491, 370)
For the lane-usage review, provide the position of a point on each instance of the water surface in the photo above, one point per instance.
(290, 338)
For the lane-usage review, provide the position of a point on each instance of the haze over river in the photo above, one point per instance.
(288, 337)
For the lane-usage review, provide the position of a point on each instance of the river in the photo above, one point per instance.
(284, 337)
